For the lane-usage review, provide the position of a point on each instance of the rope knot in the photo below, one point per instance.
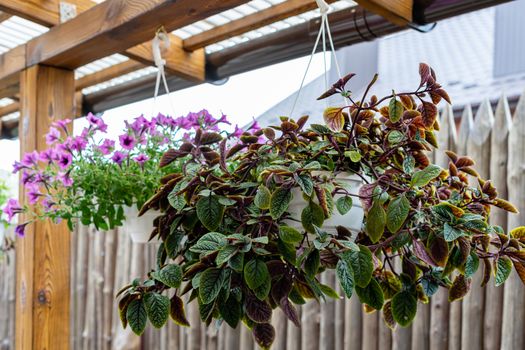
(324, 8)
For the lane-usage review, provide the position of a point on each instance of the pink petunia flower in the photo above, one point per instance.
(127, 141)
(118, 157)
(52, 136)
(141, 159)
(12, 208)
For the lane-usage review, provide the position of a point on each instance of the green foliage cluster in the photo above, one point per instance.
(228, 242)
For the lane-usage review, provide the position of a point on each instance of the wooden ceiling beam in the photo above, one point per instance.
(254, 21)
(178, 61)
(4, 16)
(107, 74)
(398, 12)
(114, 26)
(10, 108)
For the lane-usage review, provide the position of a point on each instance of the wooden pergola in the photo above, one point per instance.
(39, 76)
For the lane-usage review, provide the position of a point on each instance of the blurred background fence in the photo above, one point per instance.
(489, 318)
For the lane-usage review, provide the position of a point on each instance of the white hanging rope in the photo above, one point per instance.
(161, 38)
(324, 30)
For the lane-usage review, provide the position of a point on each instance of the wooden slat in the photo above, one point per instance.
(179, 62)
(42, 291)
(10, 86)
(254, 21)
(114, 26)
(398, 12)
(10, 108)
(512, 336)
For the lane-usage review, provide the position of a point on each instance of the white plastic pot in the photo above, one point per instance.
(352, 220)
(140, 228)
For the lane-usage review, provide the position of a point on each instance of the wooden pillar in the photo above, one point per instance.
(42, 256)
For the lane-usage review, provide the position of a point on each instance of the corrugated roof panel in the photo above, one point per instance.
(17, 31)
(99, 65)
(5, 101)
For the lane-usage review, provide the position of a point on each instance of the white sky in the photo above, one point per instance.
(243, 97)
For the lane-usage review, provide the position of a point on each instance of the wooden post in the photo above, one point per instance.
(478, 147)
(439, 313)
(498, 176)
(43, 265)
(512, 336)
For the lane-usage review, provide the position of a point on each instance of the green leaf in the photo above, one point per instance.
(450, 233)
(136, 316)
(397, 213)
(429, 286)
(423, 177)
(312, 215)
(395, 110)
(230, 311)
(395, 137)
(404, 308)
(289, 234)
(371, 295)
(225, 254)
(262, 197)
(362, 265)
(170, 275)
(279, 202)
(157, 308)
(344, 204)
(177, 201)
(236, 262)
(472, 264)
(209, 212)
(503, 269)
(209, 243)
(255, 273)
(263, 290)
(329, 292)
(376, 221)
(354, 155)
(312, 263)
(314, 165)
(288, 251)
(306, 183)
(210, 285)
(345, 274)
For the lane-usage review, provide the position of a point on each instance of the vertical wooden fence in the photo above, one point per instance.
(491, 318)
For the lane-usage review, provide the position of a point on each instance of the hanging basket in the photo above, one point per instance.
(352, 220)
(140, 228)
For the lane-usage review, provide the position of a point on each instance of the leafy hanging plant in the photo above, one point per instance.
(232, 243)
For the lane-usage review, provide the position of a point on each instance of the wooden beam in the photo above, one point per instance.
(254, 21)
(9, 86)
(398, 12)
(46, 13)
(10, 108)
(4, 16)
(179, 62)
(12, 62)
(107, 74)
(43, 254)
(114, 26)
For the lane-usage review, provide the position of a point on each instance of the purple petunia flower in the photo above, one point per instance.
(47, 155)
(66, 180)
(33, 193)
(224, 120)
(12, 208)
(127, 141)
(237, 132)
(118, 157)
(52, 136)
(141, 159)
(255, 126)
(30, 159)
(20, 229)
(64, 160)
(107, 146)
(78, 143)
(26, 177)
(97, 122)
(61, 124)
(17, 166)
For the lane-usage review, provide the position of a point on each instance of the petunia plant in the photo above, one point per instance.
(232, 245)
(91, 178)
(6, 242)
